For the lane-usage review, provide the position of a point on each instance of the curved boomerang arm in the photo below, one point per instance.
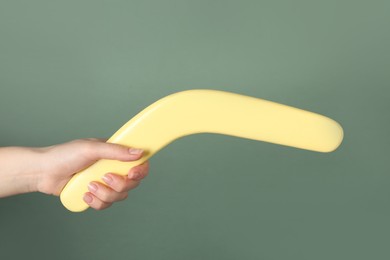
(208, 111)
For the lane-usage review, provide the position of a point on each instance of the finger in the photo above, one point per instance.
(102, 150)
(95, 202)
(120, 183)
(106, 194)
(139, 172)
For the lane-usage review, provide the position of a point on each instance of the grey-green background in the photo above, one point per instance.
(76, 69)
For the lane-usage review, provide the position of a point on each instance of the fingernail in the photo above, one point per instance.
(135, 151)
(135, 176)
(92, 187)
(107, 179)
(87, 198)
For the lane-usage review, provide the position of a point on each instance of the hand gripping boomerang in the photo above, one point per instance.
(207, 111)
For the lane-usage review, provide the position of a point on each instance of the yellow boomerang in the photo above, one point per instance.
(207, 111)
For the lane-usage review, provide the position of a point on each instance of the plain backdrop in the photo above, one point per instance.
(76, 69)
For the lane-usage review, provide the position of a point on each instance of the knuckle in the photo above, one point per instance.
(107, 196)
(102, 206)
(99, 207)
(146, 169)
(103, 192)
(135, 185)
(93, 139)
(122, 187)
(88, 149)
(81, 141)
(124, 196)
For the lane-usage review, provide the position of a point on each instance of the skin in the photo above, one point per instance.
(48, 169)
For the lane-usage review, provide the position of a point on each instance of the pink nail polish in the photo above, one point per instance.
(135, 176)
(135, 151)
(92, 187)
(107, 179)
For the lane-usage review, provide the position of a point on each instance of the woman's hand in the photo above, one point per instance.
(48, 169)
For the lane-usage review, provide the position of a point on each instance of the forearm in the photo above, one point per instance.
(19, 170)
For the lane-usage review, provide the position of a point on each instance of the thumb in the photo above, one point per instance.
(103, 150)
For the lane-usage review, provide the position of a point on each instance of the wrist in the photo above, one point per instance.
(19, 170)
(34, 169)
